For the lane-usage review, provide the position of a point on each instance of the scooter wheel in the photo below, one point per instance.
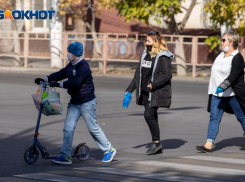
(83, 153)
(31, 155)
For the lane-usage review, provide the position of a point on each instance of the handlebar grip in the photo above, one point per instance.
(44, 83)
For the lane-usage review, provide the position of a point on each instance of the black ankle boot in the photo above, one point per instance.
(154, 148)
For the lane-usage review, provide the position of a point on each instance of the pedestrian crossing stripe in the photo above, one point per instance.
(143, 174)
(153, 175)
(193, 167)
(112, 171)
(216, 159)
(54, 177)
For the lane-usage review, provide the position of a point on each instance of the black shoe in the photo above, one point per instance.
(242, 148)
(154, 148)
(204, 149)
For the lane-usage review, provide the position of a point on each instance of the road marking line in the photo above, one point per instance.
(53, 177)
(142, 174)
(200, 168)
(216, 159)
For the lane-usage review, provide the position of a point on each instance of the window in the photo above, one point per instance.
(40, 25)
(69, 22)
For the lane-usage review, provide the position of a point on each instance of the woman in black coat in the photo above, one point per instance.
(152, 81)
(226, 88)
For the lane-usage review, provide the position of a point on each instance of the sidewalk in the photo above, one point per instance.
(121, 73)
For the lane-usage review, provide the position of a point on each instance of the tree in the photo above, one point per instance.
(10, 5)
(163, 11)
(226, 12)
(80, 9)
(56, 29)
(230, 12)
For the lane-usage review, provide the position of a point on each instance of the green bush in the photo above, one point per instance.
(213, 42)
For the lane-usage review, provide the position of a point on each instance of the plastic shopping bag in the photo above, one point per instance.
(52, 104)
(51, 101)
(37, 97)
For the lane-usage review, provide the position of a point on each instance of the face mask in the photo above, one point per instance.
(149, 47)
(69, 57)
(226, 49)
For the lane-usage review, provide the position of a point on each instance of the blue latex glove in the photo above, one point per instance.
(127, 99)
(219, 90)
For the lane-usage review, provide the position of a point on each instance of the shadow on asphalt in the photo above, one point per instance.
(237, 141)
(117, 115)
(166, 144)
(13, 148)
(185, 108)
(142, 114)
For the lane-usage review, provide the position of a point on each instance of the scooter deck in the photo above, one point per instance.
(54, 156)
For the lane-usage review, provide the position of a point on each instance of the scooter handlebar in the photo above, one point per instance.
(44, 84)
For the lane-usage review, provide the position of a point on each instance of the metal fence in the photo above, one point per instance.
(112, 47)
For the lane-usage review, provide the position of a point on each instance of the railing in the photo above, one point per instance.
(110, 47)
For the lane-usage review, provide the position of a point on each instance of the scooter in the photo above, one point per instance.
(32, 153)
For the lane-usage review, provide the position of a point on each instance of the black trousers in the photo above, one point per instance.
(151, 118)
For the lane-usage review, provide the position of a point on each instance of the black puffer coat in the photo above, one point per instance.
(161, 92)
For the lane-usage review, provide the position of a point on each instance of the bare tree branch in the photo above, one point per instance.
(183, 22)
(184, 8)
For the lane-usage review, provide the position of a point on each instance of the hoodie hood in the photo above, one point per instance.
(167, 54)
(163, 53)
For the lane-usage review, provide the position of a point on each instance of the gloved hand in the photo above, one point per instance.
(54, 84)
(219, 90)
(127, 99)
(38, 80)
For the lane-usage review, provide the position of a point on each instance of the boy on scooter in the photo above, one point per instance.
(83, 103)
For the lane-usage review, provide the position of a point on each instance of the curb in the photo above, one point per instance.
(27, 70)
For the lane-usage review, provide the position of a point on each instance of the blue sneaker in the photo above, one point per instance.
(61, 160)
(109, 156)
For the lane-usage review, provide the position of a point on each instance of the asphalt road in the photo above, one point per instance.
(183, 126)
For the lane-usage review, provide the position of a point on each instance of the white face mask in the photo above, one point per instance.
(226, 49)
(69, 57)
